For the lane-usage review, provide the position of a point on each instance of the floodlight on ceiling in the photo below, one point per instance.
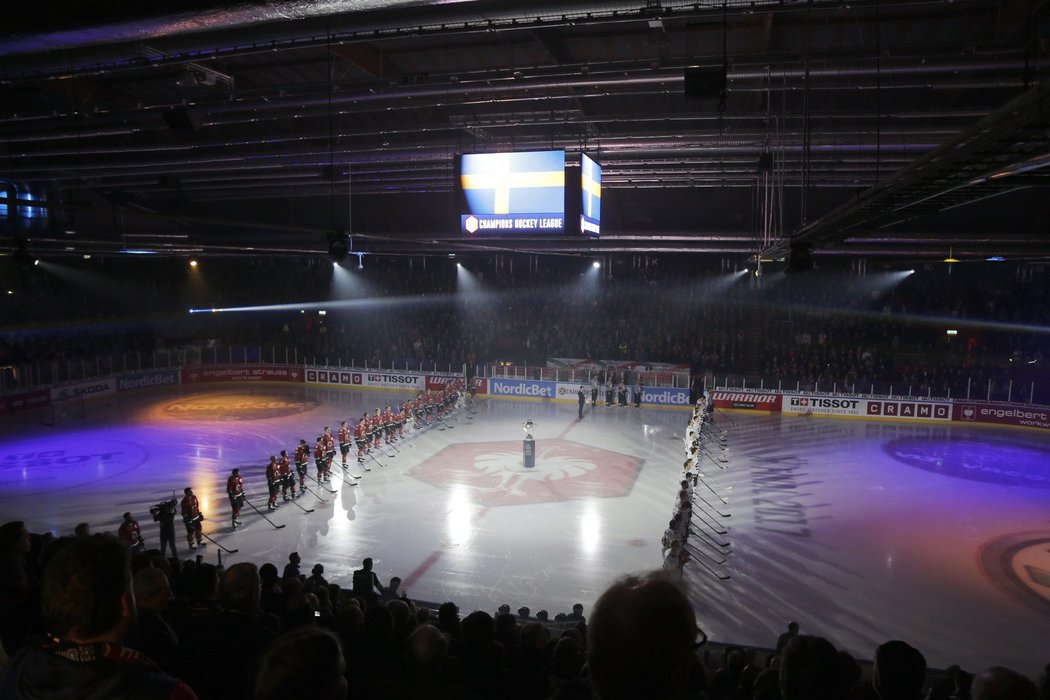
(338, 248)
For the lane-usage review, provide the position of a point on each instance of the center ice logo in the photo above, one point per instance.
(565, 470)
(51, 465)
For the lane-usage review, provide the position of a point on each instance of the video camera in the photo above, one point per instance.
(164, 510)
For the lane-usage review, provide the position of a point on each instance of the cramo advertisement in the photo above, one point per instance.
(522, 388)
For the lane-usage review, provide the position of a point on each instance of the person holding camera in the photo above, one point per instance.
(164, 515)
(192, 517)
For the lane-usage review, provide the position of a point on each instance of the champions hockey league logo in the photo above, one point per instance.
(57, 464)
(565, 470)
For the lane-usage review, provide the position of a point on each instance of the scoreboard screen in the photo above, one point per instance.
(512, 193)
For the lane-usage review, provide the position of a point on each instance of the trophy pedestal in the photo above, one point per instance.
(528, 452)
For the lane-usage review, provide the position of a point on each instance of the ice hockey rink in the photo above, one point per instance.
(861, 531)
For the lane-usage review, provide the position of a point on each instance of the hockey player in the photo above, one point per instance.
(235, 492)
(388, 425)
(284, 468)
(377, 428)
(344, 441)
(329, 450)
(191, 518)
(129, 534)
(302, 459)
(361, 438)
(273, 482)
(319, 459)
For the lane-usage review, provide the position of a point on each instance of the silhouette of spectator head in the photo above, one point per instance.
(82, 530)
(542, 615)
(792, 628)
(810, 669)
(479, 631)
(152, 589)
(641, 640)
(294, 558)
(87, 594)
(523, 611)
(899, 671)
(14, 541)
(305, 663)
(395, 585)
(998, 683)
(448, 618)
(367, 564)
(241, 588)
(427, 650)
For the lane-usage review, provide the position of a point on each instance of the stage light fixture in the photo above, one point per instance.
(800, 259)
(596, 264)
(193, 264)
(338, 247)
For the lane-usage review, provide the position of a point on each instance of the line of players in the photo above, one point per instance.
(383, 426)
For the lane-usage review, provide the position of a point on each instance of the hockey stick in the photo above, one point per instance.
(708, 487)
(225, 549)
(343, 479)
(304, 487)
(321, 485)
(376, 459)
(708, 504)
(275, 525)
(297, 505)
(706, 520)
(701, 533)
(720, 577)
(694, 551)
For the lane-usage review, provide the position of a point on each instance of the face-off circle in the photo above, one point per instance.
(996, 461)
(64, 463)
(565, 470)
(1019, 564)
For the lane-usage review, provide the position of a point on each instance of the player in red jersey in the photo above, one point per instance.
(192, 517)
(273, 481)
(361, 438)
(329, 450)
(377, 429)
(388, 425)
(235, 492)
(344, 441)
(319, 459)
(284, 468)
(129, 534)
(302, 458)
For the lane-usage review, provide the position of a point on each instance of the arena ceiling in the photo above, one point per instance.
(905, 128)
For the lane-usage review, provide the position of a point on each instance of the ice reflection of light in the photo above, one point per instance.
(590, 530)
(459, 515)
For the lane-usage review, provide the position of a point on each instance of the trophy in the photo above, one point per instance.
(528, 445)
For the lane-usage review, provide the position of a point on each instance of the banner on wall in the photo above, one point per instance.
(24, 402)
(435, 382)
(241, 373)
(522, 388)
(364, 378)
(147, 380)
(925, 410)
(95, 387)
(751, 400)
(1023, 416)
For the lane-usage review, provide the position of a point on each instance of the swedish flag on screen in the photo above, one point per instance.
(514, 183)
(591, 191)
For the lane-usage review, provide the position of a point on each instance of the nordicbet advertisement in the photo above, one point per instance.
(591, 196)
(512, 193)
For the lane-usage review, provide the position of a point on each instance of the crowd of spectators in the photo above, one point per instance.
(83, 618)
(822, 329)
